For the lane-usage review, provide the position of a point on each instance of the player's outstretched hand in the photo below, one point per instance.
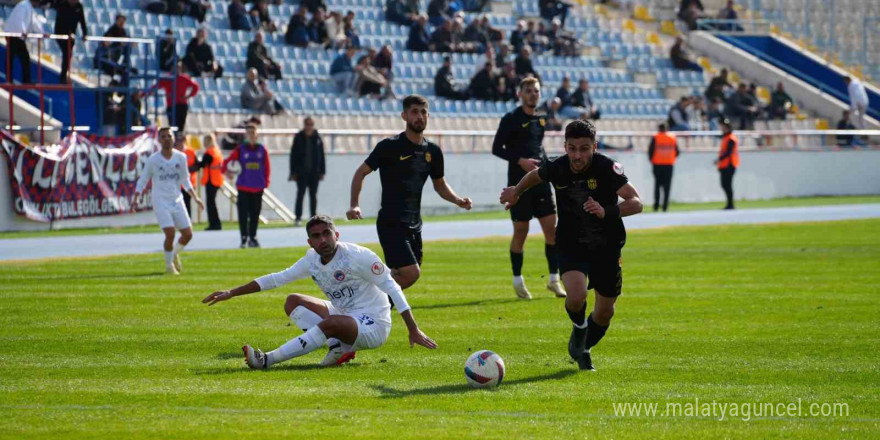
(465, 203)
(214, 298)
(593, 207)
(417, 337)
(509, 197)
(354, 213)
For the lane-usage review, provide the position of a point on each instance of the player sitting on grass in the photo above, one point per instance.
(357, 315)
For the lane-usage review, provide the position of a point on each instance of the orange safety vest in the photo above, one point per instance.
(733, 158)
(664, 149)
(190, 161)
(214, 172)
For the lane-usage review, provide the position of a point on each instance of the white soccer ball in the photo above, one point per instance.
(233, 167)
(484, 369)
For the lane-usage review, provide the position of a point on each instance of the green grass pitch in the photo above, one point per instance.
(111, 348)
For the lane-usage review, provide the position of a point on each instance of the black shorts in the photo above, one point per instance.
(603, 271)
(401, 243)
(537, 202)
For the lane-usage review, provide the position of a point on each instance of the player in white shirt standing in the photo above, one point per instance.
(357, 314)
(858, 101)
(168, 172)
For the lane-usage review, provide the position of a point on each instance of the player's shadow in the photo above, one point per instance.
(388, 392)
(481, 302)
(98, 276)
(243, 369)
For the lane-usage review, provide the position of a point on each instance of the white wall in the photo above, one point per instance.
(763, 175)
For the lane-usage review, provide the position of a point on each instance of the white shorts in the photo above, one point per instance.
(372, 332)
(176, 217)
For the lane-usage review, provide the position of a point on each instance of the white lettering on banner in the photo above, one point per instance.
(39, 179)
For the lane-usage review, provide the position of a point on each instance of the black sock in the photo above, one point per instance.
(594, 332)
(577, 318)
(516, 262)
(552, 259)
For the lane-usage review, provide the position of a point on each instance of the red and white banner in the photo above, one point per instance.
(77, 177)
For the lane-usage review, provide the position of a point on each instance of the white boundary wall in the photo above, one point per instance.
(763, 175)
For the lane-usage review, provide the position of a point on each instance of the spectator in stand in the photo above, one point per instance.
(231, 141)
(258, 58)
(729, 13)
(689, 11)
(318, 29)
(335, 30)
(239, 18)
(194, 8)
(780, 103)
(256, 96)
(68, 16)
(153, 6)
(518, 36)
(718, 87)
(858, 101)
(715, 114)
(167, 52)
(563, 43)
(444, 82)
(677, 118)
(845, 123)
(178, 92)
(441, 38)
(523, 64)
(342, 72)
(551, 9)
(535, 39)
(742, 107)
(680, 58)
(697, 114)
(566, 107)
(110, 109)
(397, 11)
(297, 33)
(199, 57)
(307, 166)
(438, 12)
(553, 121)
(384, 63)
(261, 9)
(250, 183)
(351, 33)
(581, 99)
(502, 56)
(476, 33)
(419, 40)
(483, 83)
(368, 82)
(314, 5)
(502, 92)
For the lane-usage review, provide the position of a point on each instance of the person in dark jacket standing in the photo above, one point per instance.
(307, 166)
(68, 16)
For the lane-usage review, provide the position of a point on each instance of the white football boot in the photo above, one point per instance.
(337, 356)
(254, 358)
(170, 270)
(556, 288)
(521, 291)
(178, 266)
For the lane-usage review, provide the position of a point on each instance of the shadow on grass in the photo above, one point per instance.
(242, 368)
(481, 302)
(109, 276)
(388, 392)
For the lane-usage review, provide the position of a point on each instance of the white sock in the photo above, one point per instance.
(169, 257)
(178, 248)
(302, 345)
(305, 319)
(554, 277)
(518, 280)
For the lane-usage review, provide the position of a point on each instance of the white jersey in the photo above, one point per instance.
(168, 175)
(355, 280)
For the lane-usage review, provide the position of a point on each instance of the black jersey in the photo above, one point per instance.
(519, 136)
(403, 169)
(600, 181)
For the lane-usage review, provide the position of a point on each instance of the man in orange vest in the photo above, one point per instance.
(212, 179)
(728, 160)
(662, 153)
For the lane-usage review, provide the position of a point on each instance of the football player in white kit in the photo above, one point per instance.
(168, 172)
(356, 314)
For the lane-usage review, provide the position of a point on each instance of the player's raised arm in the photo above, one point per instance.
(357, 182)
(267, 282)
(510, 195)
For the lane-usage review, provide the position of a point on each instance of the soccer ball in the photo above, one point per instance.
(233, 167)
(484, 369)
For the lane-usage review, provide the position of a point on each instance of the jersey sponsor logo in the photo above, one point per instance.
(339, 275)
(428, 157)
(345, 292)
(592, 184)
(252, 166)
(618, 168)
(377, 268)
(405, 157)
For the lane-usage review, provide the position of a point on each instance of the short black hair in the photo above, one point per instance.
(166, 128)
(320, 219)
(579, 129)
(662, 127)
(412, 100)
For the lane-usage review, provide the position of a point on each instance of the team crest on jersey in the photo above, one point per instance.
(618, 168)
(378, 268)
(428, 157)
(592, 184)
(542, 122)
(339, 275)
